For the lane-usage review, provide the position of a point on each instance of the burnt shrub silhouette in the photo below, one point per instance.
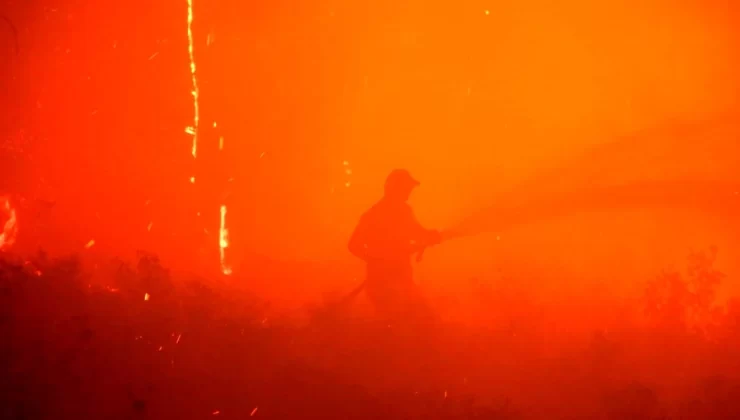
(138, 343)
(144, 346)
(677, 302)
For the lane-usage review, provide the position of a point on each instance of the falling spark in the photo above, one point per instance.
(224, 242)
(90, 244)
(253, 412)
(221, 143)
(488, 12)
(215, 125)
(179, 336)
(196, 90)
(345, 163)
(217, 412)
(445, 394)
(192, 180)
(262, 155)
(149, 226)
(347, 184)
(146, 296)
(151, 57)
(10, 228)
(160, 348)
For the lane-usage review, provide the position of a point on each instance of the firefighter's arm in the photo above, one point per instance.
(425, 237)
(356, 244)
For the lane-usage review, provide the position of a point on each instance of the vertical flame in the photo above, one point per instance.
(10, 228)
(224, 242)
(196, 91)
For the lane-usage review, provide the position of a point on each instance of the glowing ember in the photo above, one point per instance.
(149, 226)
(224, 242)
(348, 174)
(253, 412)
(179, 336)
(196, 91)
(146, 296)
(217, 412)
(90, 244)
(10, 227)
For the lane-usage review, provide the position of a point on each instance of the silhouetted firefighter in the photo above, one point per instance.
(385, 238)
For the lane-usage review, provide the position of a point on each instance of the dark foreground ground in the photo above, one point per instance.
(144, 345)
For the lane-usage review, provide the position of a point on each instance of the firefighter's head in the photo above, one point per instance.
(399, 185)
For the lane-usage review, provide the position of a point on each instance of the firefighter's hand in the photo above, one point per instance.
(435, 237)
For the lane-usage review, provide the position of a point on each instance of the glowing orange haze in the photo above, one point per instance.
(304, 108)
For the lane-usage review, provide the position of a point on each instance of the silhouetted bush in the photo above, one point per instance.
(136, 343)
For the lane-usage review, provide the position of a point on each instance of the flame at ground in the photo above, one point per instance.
(10, 227)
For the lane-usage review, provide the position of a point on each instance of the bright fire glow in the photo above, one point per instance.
(195, 92)
(10, 227)
(224, 242)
